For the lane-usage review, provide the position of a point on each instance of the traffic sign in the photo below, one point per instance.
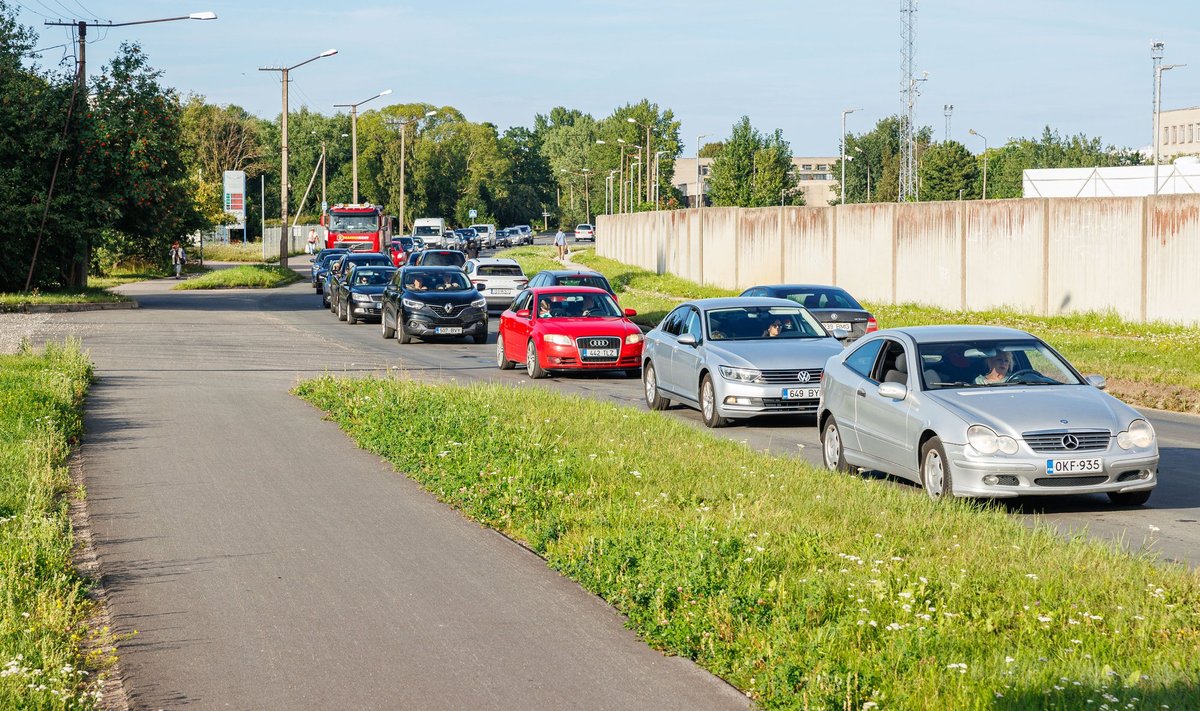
(472, 213)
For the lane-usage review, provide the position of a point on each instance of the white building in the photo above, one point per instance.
(1180, 177)
(814, 177)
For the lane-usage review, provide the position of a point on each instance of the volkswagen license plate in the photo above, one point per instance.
(448, 330)
(598, 352)
(1075, 466)
(801, 393)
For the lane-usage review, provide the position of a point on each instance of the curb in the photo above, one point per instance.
(65, 308)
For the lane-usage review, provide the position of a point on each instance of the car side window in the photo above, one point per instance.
(522, 300)
(692, 325)
(753, 292)
(892, 364)
(673, 323)
(862, 360)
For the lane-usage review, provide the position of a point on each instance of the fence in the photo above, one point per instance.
(1139, 256)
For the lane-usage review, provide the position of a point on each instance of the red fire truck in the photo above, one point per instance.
(361, 228)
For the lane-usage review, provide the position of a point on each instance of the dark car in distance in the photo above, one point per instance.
(571, 277)
(437, 258)
(320, 265)
(342, 265)
(361, 292)
(833, 306)
(428, 302)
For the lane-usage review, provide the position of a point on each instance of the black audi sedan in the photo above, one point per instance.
(432, 302)
(361, 292)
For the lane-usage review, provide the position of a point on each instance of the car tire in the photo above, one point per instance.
(342, 311)
(319, 289)
(708, 404)
(935, 471)
(832, 448)
(401, 331)
(654, 397)
(480, 338)
(351, 319)
(502, 361)
(633, 373)
(532, 366)
(383, 327)
(1129, 498)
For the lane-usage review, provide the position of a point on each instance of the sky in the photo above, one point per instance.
(1008, 68)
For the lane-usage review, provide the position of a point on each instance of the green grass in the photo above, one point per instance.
(532, 259)
(249, 276)
(802, 587)
(234, 252)
(43, 604)
(94, 294)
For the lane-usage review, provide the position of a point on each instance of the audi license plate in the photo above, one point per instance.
(598, 352)
(801, 393)
(448, 330)
(1074, 466)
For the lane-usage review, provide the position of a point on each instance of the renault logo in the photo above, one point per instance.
(1070, 442)
(804, 376)
(449, 308)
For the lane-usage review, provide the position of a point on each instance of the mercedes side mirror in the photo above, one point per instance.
(1097, 381)
(893, 391)
(840, 333)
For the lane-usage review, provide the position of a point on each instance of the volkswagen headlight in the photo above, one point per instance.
(557, 339)
(986, 441)
(360, 297)
(1139, 434)
(413, 304)
(634, 338)
(741, 375)
(479, 303)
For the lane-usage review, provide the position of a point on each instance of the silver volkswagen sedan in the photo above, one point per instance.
(981, 411)
(737, 358)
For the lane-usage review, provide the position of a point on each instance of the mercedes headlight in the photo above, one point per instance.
(412, 304)
(634, 338)
(1139, 434)
(986, 441)
(741, 375)
(557, 339)
(479, 303)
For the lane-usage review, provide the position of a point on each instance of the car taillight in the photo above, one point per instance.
(872, 324)
(522, 282)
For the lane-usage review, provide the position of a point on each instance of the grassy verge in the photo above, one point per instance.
(250, 276)
(532, 259)
(43, 606)
(90, 295)
(804, 588)
(234, 252)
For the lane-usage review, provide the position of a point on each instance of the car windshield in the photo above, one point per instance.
(585, 305)
(817, 298)
(443, 259)
(353, 223)
(598, 282)
(371, 277)
(436, 281)
(511, 270)
(751, 323)
(427, 231)
(466, 233)
(993, 363)
(582, 228)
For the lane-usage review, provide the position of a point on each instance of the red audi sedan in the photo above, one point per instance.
(559, 328)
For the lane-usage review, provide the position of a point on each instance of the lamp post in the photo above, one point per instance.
(403, 126)
(973, 132)
(284, 230)
(646, 126)
(608, 186)
(867, 163)
(82, 260)
(845, 112)
(699, 184)
(626, 200)
(1156, 51)
(587, 198)
(657, 178)
(354, 135)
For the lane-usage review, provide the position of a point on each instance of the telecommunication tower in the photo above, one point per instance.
(949, 109)
(908, 99)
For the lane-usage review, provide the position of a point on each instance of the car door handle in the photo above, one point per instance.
(862, 392)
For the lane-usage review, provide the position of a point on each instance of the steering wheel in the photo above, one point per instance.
(1016, 375)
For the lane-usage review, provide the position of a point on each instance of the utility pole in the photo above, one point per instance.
(842, 201)
(947, 109)
(699, 183)
(403, 126)
(1156, 51)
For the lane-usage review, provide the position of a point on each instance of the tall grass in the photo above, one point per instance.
(43, 605)
(249, 276)
(250, 252)
(804, 588)
(91, 295)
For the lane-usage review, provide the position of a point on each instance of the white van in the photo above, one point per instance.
(487, 235)
(431, 230)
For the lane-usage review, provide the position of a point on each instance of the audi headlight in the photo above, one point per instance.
(412, 304)
(360, 297)
(479, 303)
(1139, 434)
(557, 339)
(741, 375)
(986, 441)
(634, 338)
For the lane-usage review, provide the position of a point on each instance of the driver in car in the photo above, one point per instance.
(999, 366)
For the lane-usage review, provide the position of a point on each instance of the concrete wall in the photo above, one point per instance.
(1138, 256)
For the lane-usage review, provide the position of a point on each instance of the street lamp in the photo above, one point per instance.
(608, 187)
(867, 163)
(973, 132)
(635, 122)
(403, 125)
(284, 230)
(657, 179)
(587, 198)
(354, 136)
(1156, 50)
(843, 185)
(699, 184)
(625, 202)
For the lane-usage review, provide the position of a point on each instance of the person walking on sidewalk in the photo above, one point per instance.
(560, 243)
(311, 246)
(178, 258)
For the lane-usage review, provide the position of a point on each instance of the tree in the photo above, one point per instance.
(216, 139)
(876, 155)
(947, 172)
(1006, 165)
(753, 170)
(529, 178)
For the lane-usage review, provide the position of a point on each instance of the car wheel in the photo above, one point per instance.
(502, 361)
(834, 452)
(401, 331)
(1129, 498)
(351, 319)
(654, 398)
(633, 373)
(480, 338)
(342, 311)
(325, 301)
(383, 327)
(319, 289)
(708, 404)
(532, 366)
(935, 471)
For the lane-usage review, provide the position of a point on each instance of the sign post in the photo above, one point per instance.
(235, 198)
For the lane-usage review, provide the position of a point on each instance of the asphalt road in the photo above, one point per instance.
(265, 562)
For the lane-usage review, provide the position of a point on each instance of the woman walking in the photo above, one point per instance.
(178, 258)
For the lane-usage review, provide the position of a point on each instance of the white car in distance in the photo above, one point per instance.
(497, 278)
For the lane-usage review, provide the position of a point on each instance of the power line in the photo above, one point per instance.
(29, 9)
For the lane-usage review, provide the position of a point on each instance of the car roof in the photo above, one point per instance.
(373, 255)
(434, 268)
(495, 260)
(935, 334)
(571, 272)
(569, 290)
(800, 286)
(722, 302)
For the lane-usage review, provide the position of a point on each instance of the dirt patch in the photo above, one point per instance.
(1177, 398)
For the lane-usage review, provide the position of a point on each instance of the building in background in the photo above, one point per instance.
(814, 176)
(1180, 133)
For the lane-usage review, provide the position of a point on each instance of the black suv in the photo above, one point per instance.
(426, 302)
(437, 258)
(360, 293)
(341, 265)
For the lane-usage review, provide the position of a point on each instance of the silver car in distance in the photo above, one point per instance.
(981, 411)
(736, 358)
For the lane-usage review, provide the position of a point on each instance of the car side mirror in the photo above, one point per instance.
(893, 391)
(840, 333)
(1097, 381)
(687, 339)
(631, 312)
(481, 287)
(523, 313)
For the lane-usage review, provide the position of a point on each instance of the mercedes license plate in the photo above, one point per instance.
(839, 324)
(801, 393)
(448, 330)
(598, 352)
(1074, 466)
